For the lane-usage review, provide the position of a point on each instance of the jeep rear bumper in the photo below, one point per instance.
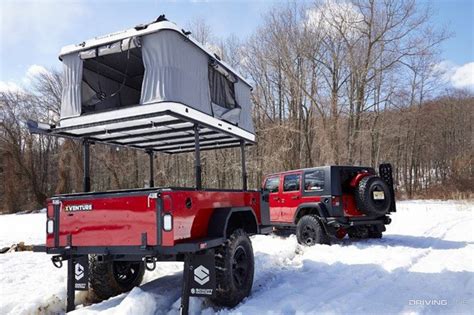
(348, 222)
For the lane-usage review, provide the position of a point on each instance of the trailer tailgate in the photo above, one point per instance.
(103, 220)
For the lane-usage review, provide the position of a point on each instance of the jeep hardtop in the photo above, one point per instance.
(326, 201)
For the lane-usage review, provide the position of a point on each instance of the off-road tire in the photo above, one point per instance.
(110, 278)
(375, 234)
(309, 231)
(364, 196)
(359, 233)
(234, 270)
(366, 232)
(375, 231)
(283, 232)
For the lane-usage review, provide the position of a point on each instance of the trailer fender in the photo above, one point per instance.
(225, 220)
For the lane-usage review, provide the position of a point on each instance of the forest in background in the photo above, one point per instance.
(347, 83)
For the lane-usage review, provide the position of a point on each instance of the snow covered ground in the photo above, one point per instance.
(426, 257)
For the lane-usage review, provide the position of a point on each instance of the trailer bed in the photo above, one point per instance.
(134, 218)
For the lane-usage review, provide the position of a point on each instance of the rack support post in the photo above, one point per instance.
(86, 165)
(197, 158)
(244, 169)
(151, 155)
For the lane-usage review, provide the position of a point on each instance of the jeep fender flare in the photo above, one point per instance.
(321, 213)
(319, 206)
(220, 221)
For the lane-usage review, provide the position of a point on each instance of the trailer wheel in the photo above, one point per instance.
(234, 270)
(110, 278)
(309, 231)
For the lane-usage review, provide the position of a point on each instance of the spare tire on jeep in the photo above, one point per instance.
(373, 196)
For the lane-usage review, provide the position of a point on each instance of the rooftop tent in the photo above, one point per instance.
(153, 65)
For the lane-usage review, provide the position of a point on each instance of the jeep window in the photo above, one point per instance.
(291, 182)
(272, 184)
(314, 180)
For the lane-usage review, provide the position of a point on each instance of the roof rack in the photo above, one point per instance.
(166, 127)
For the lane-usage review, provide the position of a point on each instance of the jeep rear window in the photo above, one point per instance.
(272, 184)
(314, 180)
(291, 182)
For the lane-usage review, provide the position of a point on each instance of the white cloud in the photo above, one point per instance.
(8, 86)
(331, 15)
(461, 77)
(32, 72)
(25, 82)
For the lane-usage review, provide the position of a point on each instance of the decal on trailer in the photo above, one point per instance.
(81, 272)
(74, 208)
(203, 281)
(201, 275)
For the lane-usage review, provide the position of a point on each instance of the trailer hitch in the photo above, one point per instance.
(57, 261)
(150, 262)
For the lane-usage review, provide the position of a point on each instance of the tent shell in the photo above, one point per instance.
(164, 126)
(133, 32)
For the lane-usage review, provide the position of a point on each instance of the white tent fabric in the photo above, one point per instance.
(175, 70)
(72, 78)
(243, 97)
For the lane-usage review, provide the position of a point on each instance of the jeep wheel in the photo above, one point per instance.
(373, 196)
(375, 231)
(375, 234)
(111, 278)
(309, 231)
(234, 270)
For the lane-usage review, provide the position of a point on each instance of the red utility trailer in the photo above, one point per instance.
(131, 89)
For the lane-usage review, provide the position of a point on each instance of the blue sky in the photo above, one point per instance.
(32, 32)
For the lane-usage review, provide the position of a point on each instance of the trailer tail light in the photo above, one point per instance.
(167, 222)
(336, 201)
(50, 226)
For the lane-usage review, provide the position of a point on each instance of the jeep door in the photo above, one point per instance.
(272, 185)
(290, 196)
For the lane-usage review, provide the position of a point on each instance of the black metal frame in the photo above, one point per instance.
(86, 184)
(151, 181)
(226, 138)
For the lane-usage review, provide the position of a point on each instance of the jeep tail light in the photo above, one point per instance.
(336, 201)
(167, 222)
(50, 226)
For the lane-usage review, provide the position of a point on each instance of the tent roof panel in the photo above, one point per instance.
(150, 28)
